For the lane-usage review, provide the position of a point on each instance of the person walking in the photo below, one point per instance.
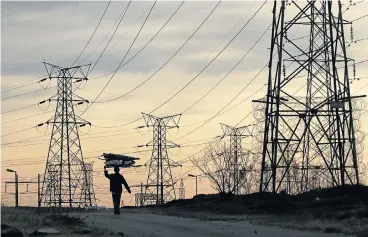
(116, 180)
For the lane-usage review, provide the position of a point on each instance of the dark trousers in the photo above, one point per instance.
(116, 201)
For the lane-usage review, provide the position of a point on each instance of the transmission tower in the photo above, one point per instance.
(90, 193)
(65, 178)
(308, 106)
(160, 182)
(181, 190)
(236, 135)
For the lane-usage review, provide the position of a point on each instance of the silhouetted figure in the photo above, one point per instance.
(115, 187)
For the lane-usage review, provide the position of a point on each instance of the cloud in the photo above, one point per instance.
(58, 31)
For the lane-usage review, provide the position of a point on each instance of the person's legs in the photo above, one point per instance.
(118, 197)
(116, 200)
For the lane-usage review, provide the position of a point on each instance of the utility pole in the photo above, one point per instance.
(38, 191)
(141, 203)
(65, 179)
(16, 190)
(196, 177)
(159, 180)
(316, 120)
(16, 185)
(17, 182)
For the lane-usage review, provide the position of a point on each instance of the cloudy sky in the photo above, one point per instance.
(197, 34)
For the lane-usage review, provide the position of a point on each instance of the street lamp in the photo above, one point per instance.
(11, 171)
(196, 176)
(16, 185)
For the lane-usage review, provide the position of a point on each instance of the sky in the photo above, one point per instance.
(57, 32)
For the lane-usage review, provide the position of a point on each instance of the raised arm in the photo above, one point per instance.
(106, 173)
(123, 181)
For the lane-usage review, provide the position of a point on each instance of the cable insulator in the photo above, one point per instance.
(40, 124)
(79, 103)
(42, 102)
(140, 146)
(284, 70)
(354, 71)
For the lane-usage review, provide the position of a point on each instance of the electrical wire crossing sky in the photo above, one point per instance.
(204, 60)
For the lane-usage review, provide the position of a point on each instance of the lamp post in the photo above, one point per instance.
(16, 185)
(196, 176)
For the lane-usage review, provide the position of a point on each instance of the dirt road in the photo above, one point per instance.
(151, 225)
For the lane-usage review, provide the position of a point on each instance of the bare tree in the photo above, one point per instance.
(216, 163)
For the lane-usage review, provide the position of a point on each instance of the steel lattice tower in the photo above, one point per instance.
(312, 125)
(181, 190)
(90, 192)
(236, 135)
(65, 179)
(160, 182)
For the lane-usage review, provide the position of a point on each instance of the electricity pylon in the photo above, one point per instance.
(160, 182)
(90, 196)
(308, 103)
(65, 176)
(181, 190)
(236, 135)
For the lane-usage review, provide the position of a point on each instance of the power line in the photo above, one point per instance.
(152, 38)
(160, 69)
(112, 27)
(89, 40)
(25, 140)
(84, 135)
(21, 85)
(186, 85)
(237, 64)
(27, 93)
(20, 108)
(66, 26)
(206, 65)
(150, 77)
(131, 45)
(27, 106)
(112, 36)
(184, 145)
(359, 18)
(14, 120)
(19, 131)
(87, 138)
(218, 112)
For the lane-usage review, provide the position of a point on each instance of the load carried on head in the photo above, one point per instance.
(112, 160)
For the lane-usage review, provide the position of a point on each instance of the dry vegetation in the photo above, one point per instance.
(28, 221)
